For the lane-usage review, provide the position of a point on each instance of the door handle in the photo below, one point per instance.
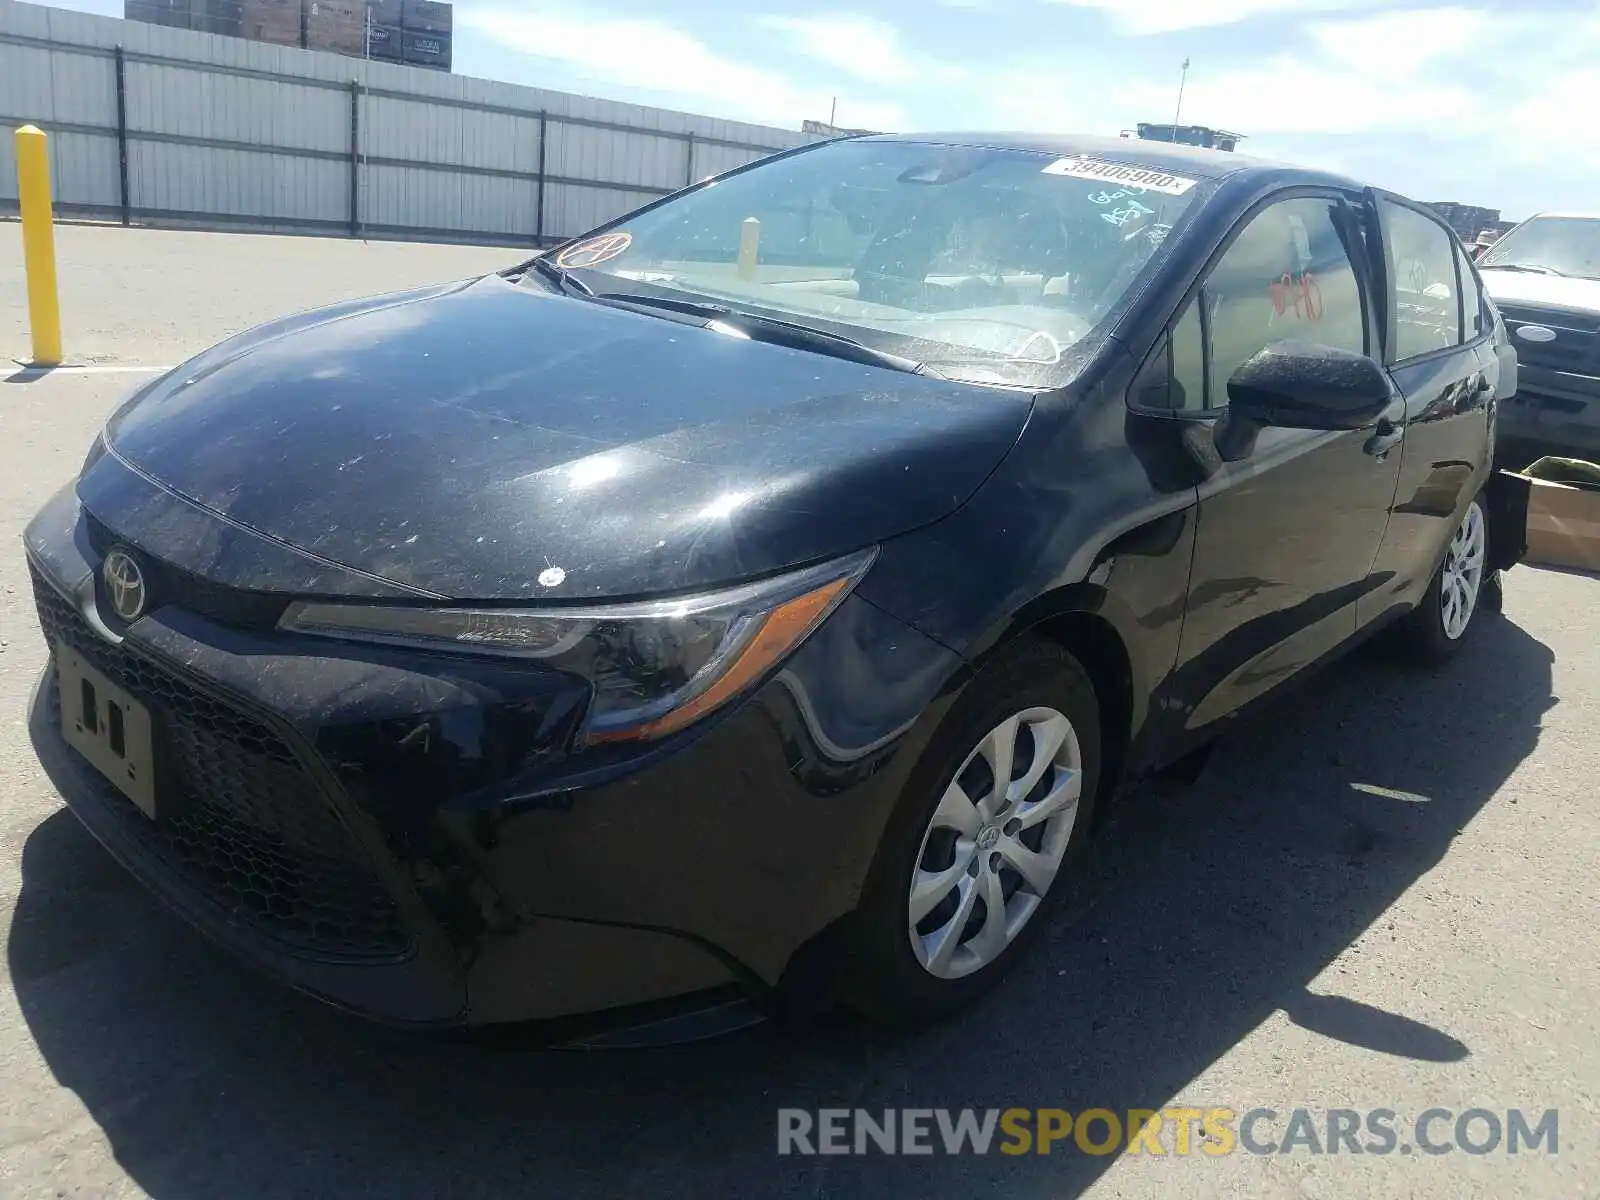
(1384, 439)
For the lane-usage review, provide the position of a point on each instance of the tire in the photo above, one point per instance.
(1436, 628)
(899, 974)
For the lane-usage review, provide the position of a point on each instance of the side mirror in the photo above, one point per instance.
(1300, 385)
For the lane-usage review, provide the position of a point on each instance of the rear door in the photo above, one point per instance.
(1438, 345)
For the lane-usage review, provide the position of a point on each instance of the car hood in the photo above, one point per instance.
(496, 441)
(1548, 291)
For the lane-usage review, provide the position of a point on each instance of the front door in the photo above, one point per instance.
(1287, 537)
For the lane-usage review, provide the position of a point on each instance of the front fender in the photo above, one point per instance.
(1134, 592)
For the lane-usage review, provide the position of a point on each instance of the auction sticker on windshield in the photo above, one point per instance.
(1080, 167)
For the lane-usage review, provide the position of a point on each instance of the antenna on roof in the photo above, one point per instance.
(1178, 112)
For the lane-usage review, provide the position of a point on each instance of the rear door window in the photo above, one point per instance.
(1423, 292)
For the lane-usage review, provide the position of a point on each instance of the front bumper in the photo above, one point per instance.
(405, 835)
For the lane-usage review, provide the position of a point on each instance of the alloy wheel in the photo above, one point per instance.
(995, 842)
(1463, 573)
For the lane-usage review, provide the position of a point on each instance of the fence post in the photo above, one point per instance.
(122, 136)
(355, 158)
(538, 205)
(688, 160)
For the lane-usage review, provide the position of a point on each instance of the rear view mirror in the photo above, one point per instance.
(1300, 385)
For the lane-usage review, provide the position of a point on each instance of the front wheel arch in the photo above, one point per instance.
(1095, 643)
(1094, 627)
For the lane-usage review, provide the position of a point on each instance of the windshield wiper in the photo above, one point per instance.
(560, 276)
(689, 308)
(775, 330)
(1536, 268)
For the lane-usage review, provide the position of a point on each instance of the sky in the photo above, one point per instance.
(1462, 102)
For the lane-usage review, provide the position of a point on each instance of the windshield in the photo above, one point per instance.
(987, 265)
(1565, 245)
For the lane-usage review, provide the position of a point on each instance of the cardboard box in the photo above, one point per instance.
(426, 16)
(1564, 515)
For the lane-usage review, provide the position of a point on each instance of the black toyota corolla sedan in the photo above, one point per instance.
(770, 589)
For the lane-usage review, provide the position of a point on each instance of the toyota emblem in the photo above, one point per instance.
(124, 584)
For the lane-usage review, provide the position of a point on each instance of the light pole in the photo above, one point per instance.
(1178, 112)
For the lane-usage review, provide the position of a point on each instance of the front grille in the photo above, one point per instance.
(169, 584)
(1576, 348)
(251, 831)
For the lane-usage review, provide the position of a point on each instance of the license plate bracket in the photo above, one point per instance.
(111, 729)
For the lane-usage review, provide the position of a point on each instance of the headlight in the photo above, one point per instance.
(656, 666)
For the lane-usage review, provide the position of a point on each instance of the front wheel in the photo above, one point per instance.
(1436, 629)
(979, 848)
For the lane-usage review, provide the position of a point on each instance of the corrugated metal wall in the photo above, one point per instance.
(235, 133)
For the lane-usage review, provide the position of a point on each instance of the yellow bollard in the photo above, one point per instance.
(39, 245)
(749, 247)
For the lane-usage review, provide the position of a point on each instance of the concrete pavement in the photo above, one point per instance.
(1378, 895)
(157, 295)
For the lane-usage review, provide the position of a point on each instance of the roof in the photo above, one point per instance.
(1163, 156)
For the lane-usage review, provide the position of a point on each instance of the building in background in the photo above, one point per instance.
(1470, 220)
(206, 16)
(1188, 135)
(415, 32)
(823, 129)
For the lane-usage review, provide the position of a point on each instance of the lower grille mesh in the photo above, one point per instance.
(252, 833)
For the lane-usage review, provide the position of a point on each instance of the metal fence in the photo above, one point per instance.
(152, 125)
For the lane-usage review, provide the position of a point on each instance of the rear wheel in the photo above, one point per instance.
(1436, 629)
(982, 842)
